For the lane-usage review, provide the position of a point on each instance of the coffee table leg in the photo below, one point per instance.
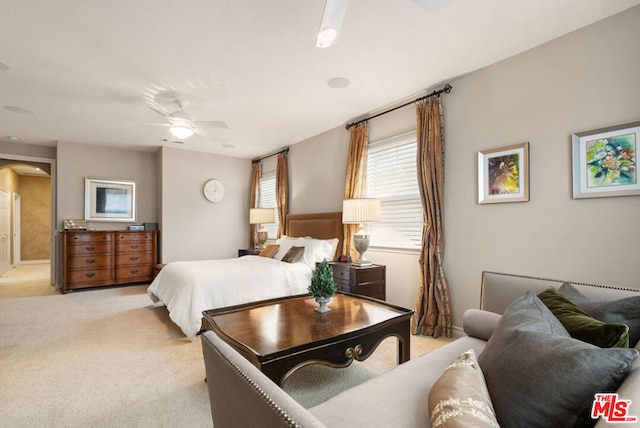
(404, 347)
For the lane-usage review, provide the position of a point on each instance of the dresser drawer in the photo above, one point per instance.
(364, 275)
(90, 262)
(372, 289)
(134, 259)
(89, 248)
(134, 236)
(89, 276)
(92, 237)
(134, 246)
(133, 273)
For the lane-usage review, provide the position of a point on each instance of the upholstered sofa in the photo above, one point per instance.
(532, 372)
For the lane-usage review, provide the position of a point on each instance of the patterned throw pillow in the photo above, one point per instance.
(293, 255)
(269, 251)
(459, 398)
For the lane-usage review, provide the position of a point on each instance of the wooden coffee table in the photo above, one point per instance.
(281, 335)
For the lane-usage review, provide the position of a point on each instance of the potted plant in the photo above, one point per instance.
(323, 286)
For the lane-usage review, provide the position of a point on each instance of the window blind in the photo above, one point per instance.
(268, 200)
(392, 178)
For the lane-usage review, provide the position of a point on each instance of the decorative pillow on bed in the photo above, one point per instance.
(528, 341)
(269, 251)
(293, 255)
(459, 398)
(285, 242)
(581, 325)
(624, 311)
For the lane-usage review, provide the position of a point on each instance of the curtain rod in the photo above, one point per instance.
(447, 88)
(256, 160)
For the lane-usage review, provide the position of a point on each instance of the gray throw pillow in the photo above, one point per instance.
(621, 311)
(537, 375)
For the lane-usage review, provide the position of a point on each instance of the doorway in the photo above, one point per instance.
(27, 202)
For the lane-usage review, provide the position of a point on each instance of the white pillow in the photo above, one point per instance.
(316, 250)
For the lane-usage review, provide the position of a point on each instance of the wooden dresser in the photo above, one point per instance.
(100, 258)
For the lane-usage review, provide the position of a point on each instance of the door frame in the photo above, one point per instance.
(17, 225)
(52, 217)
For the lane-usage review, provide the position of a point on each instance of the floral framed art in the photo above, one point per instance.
(605, 161)
(503, 174)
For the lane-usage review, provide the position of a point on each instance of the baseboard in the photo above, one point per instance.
(33, 262)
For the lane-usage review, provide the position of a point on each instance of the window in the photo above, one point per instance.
(268, 200)
(392, 178)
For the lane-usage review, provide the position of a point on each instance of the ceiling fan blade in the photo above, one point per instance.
(157, 110)
(431, 5)
(211, 124)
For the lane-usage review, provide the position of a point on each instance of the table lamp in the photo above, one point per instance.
(361, 211)
(260, 216)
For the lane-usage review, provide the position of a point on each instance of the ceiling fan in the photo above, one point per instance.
(333, 15)
(181, 123)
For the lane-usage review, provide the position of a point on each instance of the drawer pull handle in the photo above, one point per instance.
(89, 261)
(133, 247)
(133, 259)
(134, 271)
(91, 275)
(90, 248)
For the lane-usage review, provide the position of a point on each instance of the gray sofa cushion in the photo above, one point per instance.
(538, 375)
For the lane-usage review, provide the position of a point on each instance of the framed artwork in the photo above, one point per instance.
(605, 161)
(109, 200)
(503, 174)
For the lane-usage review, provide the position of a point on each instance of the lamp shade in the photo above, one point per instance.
(261, 215)
(363, 210)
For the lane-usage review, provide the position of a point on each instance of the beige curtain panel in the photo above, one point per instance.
(282, 193)
(356, 178)
(433, 307)
(254, 200)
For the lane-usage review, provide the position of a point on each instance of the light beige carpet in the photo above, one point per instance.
(106, 357)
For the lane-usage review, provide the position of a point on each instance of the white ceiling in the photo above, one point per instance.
(87, 69)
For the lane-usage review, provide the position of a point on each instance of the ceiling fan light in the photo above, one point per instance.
(326, 38)
(332, 17)
(181, 131)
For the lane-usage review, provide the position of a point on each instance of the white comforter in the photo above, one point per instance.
(188, 288)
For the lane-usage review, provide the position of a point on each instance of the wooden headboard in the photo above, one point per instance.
(319, 226)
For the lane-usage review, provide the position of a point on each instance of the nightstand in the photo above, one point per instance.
(248, 252)
(365, 280)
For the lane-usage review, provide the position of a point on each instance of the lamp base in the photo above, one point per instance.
(361, 242)
(262, 238)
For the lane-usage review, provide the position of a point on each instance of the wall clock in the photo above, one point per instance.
(214, 190)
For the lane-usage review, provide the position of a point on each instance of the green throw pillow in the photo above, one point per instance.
(581, 325)
(538, 376)
(622, 311)
(293, 255)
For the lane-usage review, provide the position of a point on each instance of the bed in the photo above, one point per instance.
(187, 288)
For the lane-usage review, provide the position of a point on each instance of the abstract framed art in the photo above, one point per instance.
(109, 200)
(503, 174)
(605, 161)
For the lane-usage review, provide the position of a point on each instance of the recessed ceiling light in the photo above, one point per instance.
(338, 82)
(18, 110)
(13, 138)
(3, 66)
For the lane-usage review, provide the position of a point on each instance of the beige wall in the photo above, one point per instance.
(192, 227)
(35, 196)
(585, 80)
